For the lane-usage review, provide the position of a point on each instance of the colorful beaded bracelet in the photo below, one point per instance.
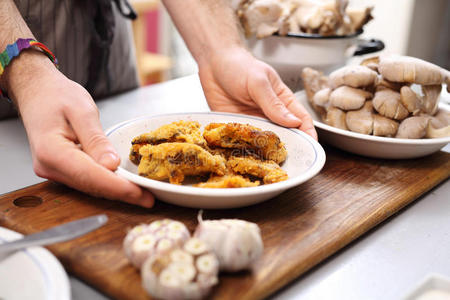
(13, 50)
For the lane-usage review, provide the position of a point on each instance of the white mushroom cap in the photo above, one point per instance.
(383, 126)
(353, 76)
(348, 98)
(413, 128)
(398, 68)
(387, 103)
(361, 120)
(336, 117)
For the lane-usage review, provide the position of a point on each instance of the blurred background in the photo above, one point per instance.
(417, 28)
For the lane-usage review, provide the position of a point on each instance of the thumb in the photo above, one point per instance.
(261, 91)
(88, 130)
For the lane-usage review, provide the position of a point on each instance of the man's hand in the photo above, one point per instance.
(64, 131)
(232, 79)
(236, 82)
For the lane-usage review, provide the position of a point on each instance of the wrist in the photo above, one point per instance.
(220, 54)
(29, 66)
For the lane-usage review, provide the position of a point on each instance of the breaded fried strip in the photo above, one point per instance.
(264, 144)
(269, 171)
(180, 131)
(174, 161)
(227, 181)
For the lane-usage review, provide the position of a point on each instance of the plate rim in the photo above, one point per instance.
(54, 274)
(313, 169)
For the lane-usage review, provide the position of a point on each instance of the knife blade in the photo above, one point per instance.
(56, 234)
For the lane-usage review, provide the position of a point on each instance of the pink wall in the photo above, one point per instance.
(152, 31)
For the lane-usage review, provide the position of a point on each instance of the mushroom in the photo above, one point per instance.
(387, 103)
(353, 76)
(361, 120)
(412, 70)
(439, 125)
(428, 103)
(237, 243)
(441, 119)
(264, 17)
(382, 82)
(322, 97)
(359, 17)
(314, 81)
(348, 98)
(410, 100)
(187, 272)
(336, 118)
(371, 63)
(431, 98)
(432, 132)
(413, 127)
(159, 236)
(383, 126)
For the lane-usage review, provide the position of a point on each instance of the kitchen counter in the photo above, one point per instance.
(385, 263)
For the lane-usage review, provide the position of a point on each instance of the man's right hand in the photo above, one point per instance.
(66, 138)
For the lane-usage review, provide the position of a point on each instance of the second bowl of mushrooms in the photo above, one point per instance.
(386, 101)
(293, 34)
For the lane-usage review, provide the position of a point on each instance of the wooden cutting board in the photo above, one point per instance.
(300, 228)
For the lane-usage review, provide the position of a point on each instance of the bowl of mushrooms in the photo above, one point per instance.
(293, 34)
(387, 107)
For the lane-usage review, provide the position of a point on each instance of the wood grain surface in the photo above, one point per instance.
(300, 228)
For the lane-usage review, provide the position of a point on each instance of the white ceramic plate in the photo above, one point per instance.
(433, 287)
(33, 273)
(373, 146)
(305, 159)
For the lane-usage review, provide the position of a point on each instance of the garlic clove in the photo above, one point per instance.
(196, 246)
(159, 236)
(236, 243)
(207, 263)
(163, 245)
(184, 271)
(179, 255)
(143, 243)
(169, 278)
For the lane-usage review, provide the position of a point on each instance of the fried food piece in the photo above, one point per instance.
(174, 161)
(264, 144)
(227, 181)
(269, 171)
(228, 152)
(181, 131)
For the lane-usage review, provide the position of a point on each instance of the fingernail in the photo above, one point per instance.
(147, 199)
(109, 160)
(291, 117)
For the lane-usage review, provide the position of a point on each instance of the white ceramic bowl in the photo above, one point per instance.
(373, 146)
(305, 159)
(288, 55)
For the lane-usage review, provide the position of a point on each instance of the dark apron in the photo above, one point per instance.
(92, 40)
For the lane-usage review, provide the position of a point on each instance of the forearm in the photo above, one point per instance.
(22, 68)
(208, 27)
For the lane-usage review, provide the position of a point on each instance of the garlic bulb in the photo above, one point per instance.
(157, 237)
(236, 243)
(187, 272)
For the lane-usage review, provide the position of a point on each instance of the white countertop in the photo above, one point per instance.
(386, 263)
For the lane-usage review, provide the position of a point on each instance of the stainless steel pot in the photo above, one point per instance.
(289, 54)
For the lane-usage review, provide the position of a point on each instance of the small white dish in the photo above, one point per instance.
(305, 159)
(434, 287)
(32, 273)
(373, 146)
